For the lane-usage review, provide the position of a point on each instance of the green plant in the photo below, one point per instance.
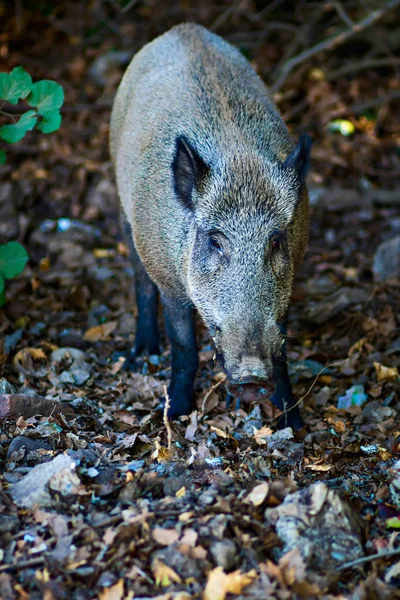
(13, 258)
(40, 105)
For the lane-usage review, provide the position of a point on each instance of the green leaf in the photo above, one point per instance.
(14, 133)
(15, 85)
(393, 523)
(51, 121)
(3, 297)
(2, 284)
(46, 95)
(3, 157)
(13, 258)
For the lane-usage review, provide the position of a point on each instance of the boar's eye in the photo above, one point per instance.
(216, 243)
(277, 242)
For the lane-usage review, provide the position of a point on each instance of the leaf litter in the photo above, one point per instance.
(102, 497)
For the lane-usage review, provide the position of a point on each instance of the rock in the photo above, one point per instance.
(102, 196)
(28, 444)
(33, 488)
(8, 212)
(13, 406)
(321, 525)
(336, 199)
(8, 523)
(186, 566)
(386, 261)
(171, 485)
(224, 554)
(333, 304)
(105, 67)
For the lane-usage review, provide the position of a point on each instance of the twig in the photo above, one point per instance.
(210, 391)
(342, 13)
(130, 5)
(269, 8)
(371, 63)
(364, 559)
(360, 106)
(165, 418)
(24, 564)
(332, 42)
(222, 18)
(334, 364)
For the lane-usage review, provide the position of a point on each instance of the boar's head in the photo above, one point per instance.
(247, 233)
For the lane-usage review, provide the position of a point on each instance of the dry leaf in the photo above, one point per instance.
(219, 584)
(115, 592)
(163, 574)
(189, 538)
(385, 373)
(99, 332)
(318, 467)
(261, 435)
(165, 537)
(258, 494)
(393, 572)
(23, 360)
(219, 431)
(181, 492)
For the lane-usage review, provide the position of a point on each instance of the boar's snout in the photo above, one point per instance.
(252, 389)
(248, 355)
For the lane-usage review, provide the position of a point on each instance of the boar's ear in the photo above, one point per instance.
(188, 171)
(298, 158)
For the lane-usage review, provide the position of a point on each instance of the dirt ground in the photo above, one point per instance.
(101, 497)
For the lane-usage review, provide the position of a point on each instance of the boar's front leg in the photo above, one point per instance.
(283, 396)
(147, 339)
(180, 325)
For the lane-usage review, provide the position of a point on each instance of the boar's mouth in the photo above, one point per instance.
(252, 390)
(249, 389)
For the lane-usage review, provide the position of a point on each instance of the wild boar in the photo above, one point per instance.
(214, 196)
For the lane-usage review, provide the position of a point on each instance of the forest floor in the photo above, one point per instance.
(101, 497)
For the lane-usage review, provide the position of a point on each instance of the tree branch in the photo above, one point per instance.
(332, 42)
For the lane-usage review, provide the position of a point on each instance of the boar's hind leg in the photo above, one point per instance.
(283, 395)
(180, 325)
(147, 339)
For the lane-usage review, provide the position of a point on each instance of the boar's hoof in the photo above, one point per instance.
(133, 361)
(181, 402)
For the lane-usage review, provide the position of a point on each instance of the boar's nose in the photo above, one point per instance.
(249, 370)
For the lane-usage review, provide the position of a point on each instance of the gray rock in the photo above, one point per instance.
(9, 193)
(387, 260)
(33, 488)
(224, 554)
(321, 525)
(333, 304)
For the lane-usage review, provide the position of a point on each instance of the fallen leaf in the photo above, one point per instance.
(261, 435)
(219, 583)
(393, 572)
(163, 574)
(100, 332)
(258, 494)
(385, 373)
(115, 592)
(165, 537)
(318, 467)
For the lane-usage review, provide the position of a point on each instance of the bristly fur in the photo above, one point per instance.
(199, 146)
